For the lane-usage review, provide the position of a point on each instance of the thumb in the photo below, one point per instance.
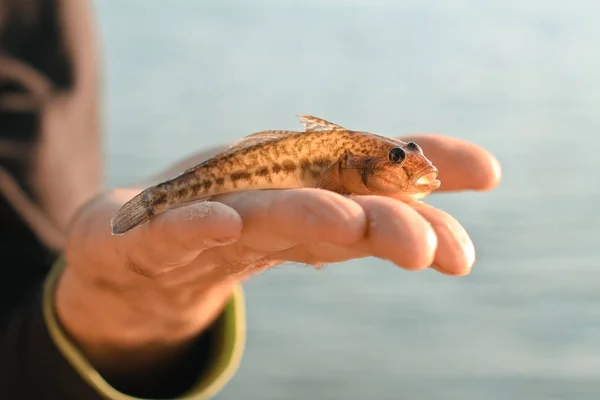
(176, 237)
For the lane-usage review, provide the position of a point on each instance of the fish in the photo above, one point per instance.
(324, 156)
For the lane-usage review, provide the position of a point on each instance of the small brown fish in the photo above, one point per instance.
(325, 156)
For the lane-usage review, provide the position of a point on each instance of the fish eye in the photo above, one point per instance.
(413, 146)
(397, 155)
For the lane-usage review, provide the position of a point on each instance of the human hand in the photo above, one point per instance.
(168, 279)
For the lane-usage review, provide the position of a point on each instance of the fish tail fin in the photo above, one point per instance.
(133, 213)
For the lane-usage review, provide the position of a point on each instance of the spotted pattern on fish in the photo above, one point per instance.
(278, 159)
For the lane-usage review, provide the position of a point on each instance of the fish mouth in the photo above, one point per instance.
(427, 179)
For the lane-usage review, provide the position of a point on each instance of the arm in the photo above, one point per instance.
(39, 191)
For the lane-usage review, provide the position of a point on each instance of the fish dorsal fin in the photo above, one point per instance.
(311, 124)
(314, 124)
(255, 139)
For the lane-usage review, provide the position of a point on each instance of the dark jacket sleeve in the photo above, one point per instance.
(32, 366)
(37, 66)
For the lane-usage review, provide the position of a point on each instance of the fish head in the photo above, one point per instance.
(397, 169)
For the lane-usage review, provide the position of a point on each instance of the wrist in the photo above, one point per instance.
(138, 322)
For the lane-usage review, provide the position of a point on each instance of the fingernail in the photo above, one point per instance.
(214, 242)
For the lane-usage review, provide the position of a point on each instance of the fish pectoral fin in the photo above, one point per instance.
(331, 179)
(314, 124)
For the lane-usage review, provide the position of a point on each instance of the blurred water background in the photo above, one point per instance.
(521, 78)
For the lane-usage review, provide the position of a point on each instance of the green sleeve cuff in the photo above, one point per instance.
(227, 351)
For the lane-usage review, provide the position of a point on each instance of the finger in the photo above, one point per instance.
(278, 219)
(462, 165)
(395, 232)
(455, 253)
(178, 236)
(318, 254)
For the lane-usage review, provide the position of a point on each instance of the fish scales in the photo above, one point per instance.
(325, 155)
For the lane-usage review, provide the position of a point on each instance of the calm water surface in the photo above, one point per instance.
(521, 78)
